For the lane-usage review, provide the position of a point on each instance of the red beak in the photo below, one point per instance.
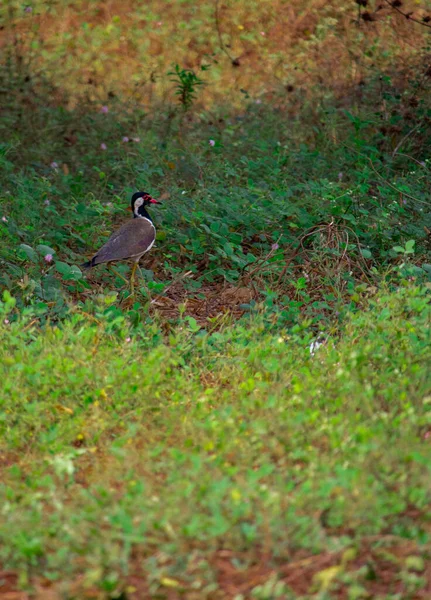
(153, 201)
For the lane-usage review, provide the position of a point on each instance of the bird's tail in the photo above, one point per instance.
(88, 264)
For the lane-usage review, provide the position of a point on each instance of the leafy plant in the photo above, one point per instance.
(180, 452)
(187, 83)
(406, 250)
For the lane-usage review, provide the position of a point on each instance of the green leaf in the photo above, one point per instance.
(8, 300)
(348, 555)
(29, 252)
(63, 268)
(415, 270)
(351, 117)
(415, 563)
(75, 273)
(44, 250)
(169, 582)
(410, 246)
(357, 592)
(194, 327)
(215, 226)
(366, 253)
(228, 249)
(398, 249)
(324, 579)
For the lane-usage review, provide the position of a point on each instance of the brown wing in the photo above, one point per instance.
(132, 239)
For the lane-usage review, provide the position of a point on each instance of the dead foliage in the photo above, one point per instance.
(381, 563)
(378, 563)
(211, 302)
(254, 46)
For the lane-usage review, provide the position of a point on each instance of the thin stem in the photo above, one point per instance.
(401, 142)
(220, 38)
(406, 15)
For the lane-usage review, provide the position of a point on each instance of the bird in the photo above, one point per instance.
(132, 240)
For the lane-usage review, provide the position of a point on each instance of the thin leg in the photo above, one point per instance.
(143, 281)
(132, 278)
(118, 274)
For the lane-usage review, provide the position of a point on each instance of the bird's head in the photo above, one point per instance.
(140, 200)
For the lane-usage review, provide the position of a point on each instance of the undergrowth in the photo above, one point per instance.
(301, 222)
(254, 421)
(158, 452)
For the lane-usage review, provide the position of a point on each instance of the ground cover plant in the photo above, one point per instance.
(254, 421)
(136, 464)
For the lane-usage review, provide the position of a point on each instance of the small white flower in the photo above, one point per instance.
(4, 219)
(211, 143)
(103, 146)
(128, 340)
(47, 202)
(54, 165)
(125, 139)
(6, 321)
(48, 258)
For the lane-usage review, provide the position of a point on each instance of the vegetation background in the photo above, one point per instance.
(254, 422)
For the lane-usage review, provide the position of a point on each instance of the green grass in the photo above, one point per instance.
(120, 443)
(185, 442)
(179, 440)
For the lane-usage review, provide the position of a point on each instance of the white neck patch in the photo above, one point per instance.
(138, 203)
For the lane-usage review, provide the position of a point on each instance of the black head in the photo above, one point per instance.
(140, 200)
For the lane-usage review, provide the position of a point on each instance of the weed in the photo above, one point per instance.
(186, 86)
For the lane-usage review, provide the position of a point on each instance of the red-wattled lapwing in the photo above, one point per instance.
(132, 240)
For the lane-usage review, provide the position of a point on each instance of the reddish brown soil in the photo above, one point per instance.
(385, 559)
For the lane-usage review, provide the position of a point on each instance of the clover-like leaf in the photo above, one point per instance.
(44, 250)
(29, 252)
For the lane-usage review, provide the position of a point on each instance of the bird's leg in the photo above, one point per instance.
(144, 282)
(117, 273)
(132, 278)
